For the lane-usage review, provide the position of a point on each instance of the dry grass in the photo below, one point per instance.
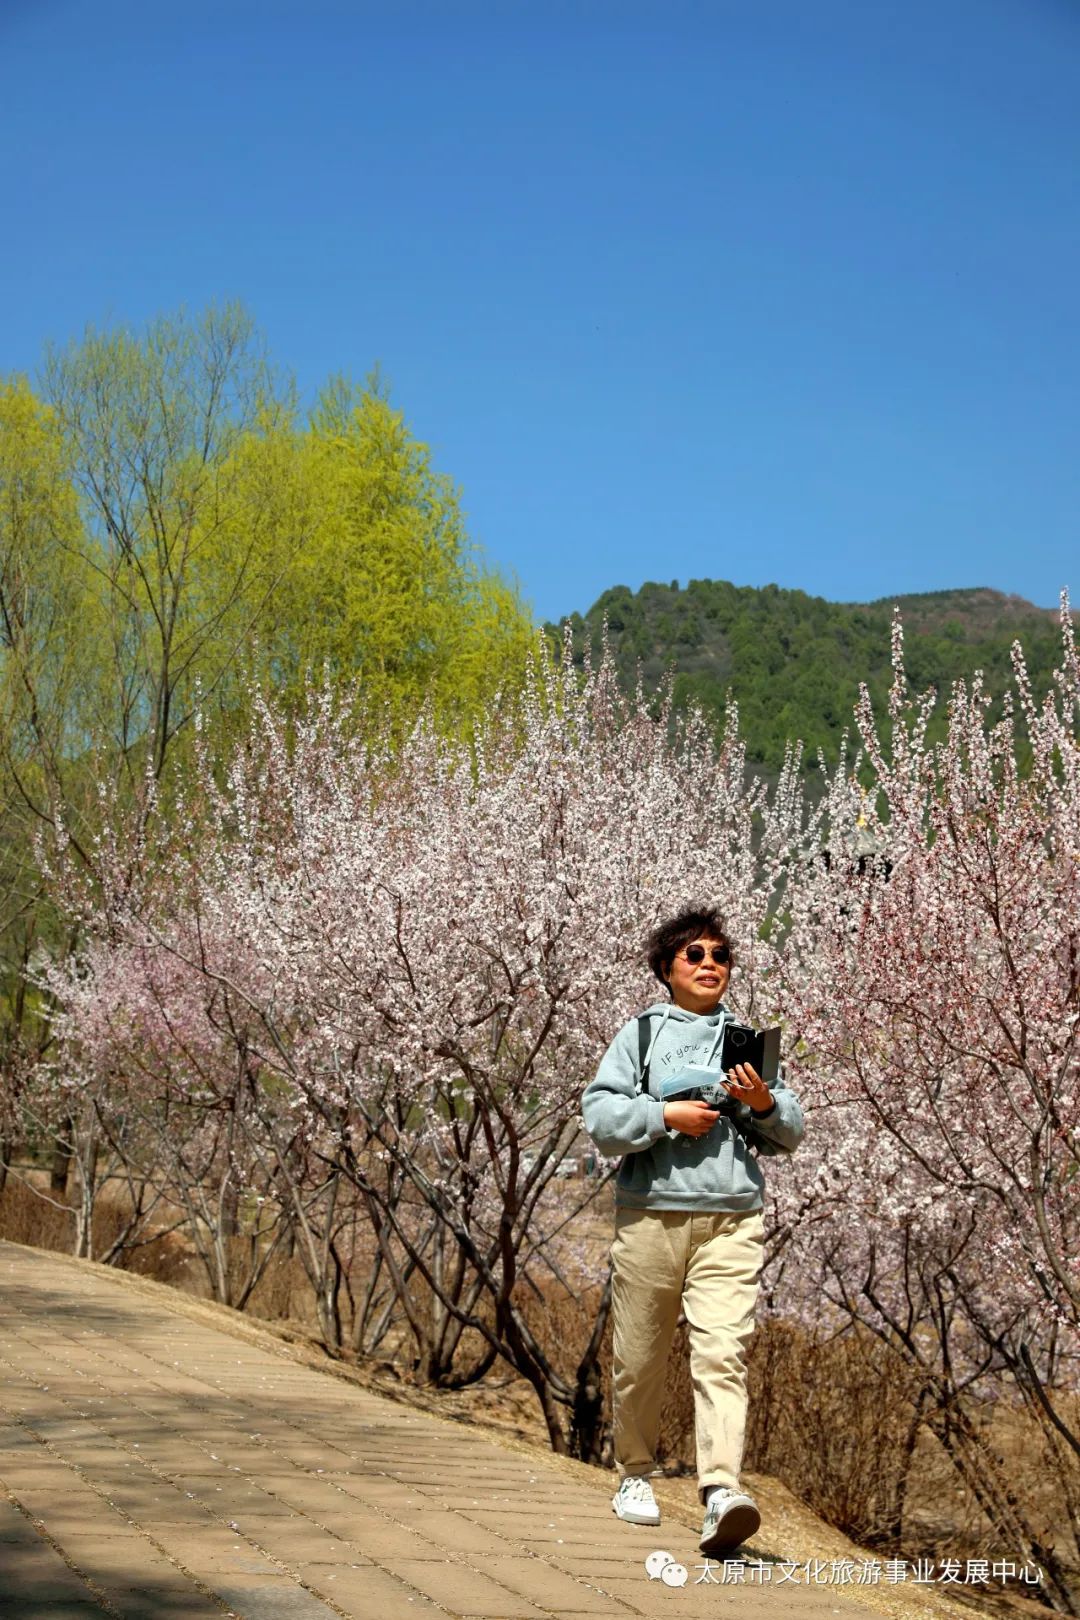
(28, 1216)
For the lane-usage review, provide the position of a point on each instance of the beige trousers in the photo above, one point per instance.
(708, 1266)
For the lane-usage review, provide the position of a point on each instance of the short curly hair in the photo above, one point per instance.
(668, 938)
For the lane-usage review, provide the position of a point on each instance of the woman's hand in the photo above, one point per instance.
(691, 1118)
(746, 1086)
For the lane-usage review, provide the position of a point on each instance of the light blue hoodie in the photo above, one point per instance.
(662, 1168)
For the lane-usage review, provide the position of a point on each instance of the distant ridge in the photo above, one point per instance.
(794, 662)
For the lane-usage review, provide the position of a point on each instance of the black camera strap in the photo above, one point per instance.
(644, 1030)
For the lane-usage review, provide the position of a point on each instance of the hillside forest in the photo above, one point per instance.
(794, 663)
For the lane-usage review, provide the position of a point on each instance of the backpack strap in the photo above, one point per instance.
(644, 1030)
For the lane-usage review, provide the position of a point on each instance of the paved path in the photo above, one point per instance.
(156, 1467)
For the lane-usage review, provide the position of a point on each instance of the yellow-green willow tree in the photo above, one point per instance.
(45, 604)
(373, 573)
(184, 535)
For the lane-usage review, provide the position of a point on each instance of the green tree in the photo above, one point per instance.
(44, 601)
(231, 547)
(152, 423)
(44, 598)
(375, 578)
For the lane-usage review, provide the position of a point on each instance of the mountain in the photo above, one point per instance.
(794, 662)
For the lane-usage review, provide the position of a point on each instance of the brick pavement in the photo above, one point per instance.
(156, 1466)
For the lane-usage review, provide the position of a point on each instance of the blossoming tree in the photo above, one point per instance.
(409, 966)
(932, 974)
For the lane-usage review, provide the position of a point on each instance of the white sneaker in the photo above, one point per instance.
(634, 1501)
(730, 1519)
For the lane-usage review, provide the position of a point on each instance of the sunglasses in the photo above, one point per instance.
(695, 954)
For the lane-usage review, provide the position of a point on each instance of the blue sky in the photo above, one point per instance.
(764, 290)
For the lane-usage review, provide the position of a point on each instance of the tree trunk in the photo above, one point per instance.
(61, 1160)
(590, 1436)
(230, 1207)
(87, 1161)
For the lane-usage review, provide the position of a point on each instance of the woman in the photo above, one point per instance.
(688, 1225)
